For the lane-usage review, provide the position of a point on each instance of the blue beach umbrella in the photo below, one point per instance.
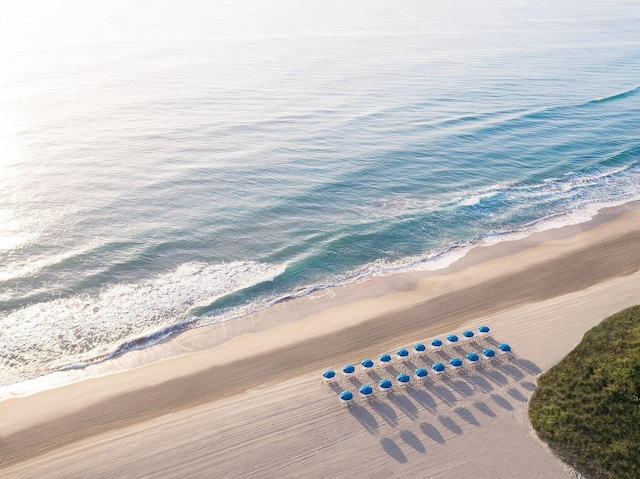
(385, 384)
(328, 374)
(455, 362)
(385, 358)
(419, 347)
(346, 396)
(452, 338)
(505, 348)
(488, 353)
(366, 390)
(421, 372)
(483, 329)
(438, 367)
(436, 343)
(402, 352)
(348, 368)
(403, 378)
(367, 363)
(467, 334)
(473, 357)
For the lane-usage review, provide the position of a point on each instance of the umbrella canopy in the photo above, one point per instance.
(403, 378)
(384, 384)
(436, 343)
(421, 372)
(328, 374)
(419, 347)
(488, 353)
(438, 367)
(467, 334)
(346, 396)
(483, 329)
(452, 338)
(455, 362)
(505, 348)
(402, 352)
(385, 358)
(367, 363)
(473, 357)
(348, 368)
(366, 390)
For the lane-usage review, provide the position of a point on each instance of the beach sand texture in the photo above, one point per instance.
(255, 405)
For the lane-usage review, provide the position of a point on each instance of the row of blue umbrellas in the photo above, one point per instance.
(421, 372)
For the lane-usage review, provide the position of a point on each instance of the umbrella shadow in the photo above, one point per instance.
(365, 418)
(374, 376)
(393, 450)
(511, 370)
(355, 381)
(423, 398)
(443, 356)
(529, 386)
(466, 415)
(482, 383)
(502, 402)
(493, 375)
(526, 365)
(484, 409)
(432, 432)
(412, 441)
(386, 412)
(443, 394)
(491, 341)
(405, 405)
(450, 424)
(460, 387)
(336, 387)
(517, 395)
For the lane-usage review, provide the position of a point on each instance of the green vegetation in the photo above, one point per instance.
(587, 408)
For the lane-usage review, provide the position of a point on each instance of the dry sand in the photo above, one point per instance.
(254, 404)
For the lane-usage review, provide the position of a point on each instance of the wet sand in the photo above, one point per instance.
(247, 399)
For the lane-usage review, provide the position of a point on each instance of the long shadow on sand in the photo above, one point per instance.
(466, 415)
(393, 450)
(442, 393)
(412, 441)
(480, 382)
(432, 432)
(502, 402)
(484, 409)
(529, 386)
(365, 418)
(450, 424)
(385, 411)
(405, 405)
(460, 386)
(517, 395)
(423, 398)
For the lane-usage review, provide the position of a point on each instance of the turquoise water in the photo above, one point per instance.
(165, 166)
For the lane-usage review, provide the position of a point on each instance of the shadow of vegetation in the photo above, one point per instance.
(412, 441)
(393, 450)
(432, 432)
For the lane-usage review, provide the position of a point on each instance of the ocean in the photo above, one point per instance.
(166, 165)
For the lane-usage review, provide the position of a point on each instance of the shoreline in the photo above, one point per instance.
(294, 309)
(359, 321)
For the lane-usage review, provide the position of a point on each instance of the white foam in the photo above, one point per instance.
(81, 329)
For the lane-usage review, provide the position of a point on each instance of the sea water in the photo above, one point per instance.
(166, 165)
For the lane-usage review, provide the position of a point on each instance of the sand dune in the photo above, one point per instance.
(255, 405)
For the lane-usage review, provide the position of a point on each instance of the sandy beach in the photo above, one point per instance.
(247, 400)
